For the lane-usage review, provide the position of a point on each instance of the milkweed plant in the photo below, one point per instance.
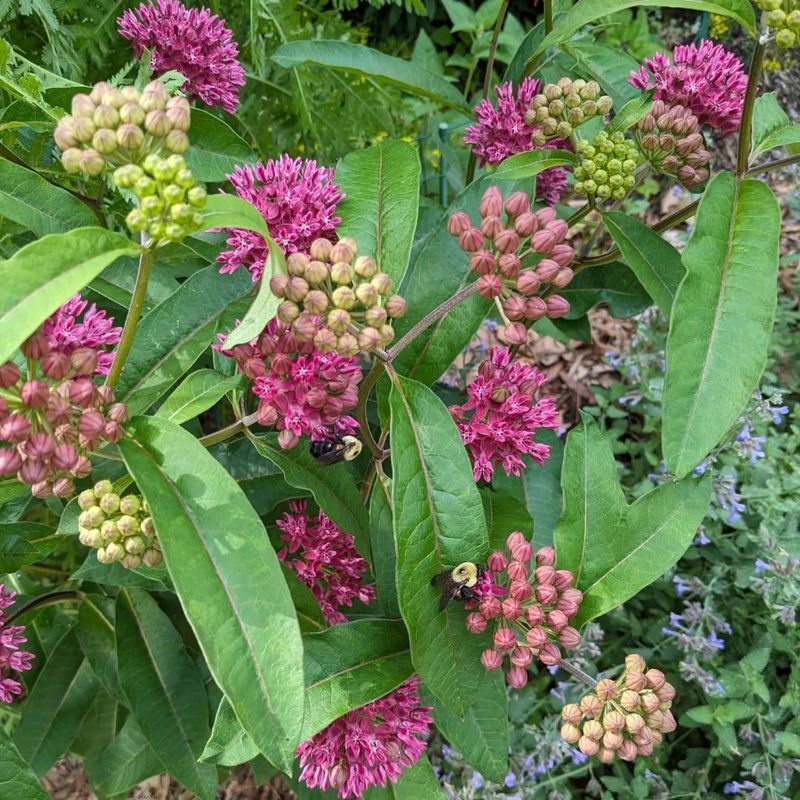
(232, 491)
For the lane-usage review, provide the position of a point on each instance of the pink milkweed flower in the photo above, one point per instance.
(12, 659)
(707, 79)
(195, 42)
(325, 559)
(505, 415)
(66, 333)
(298, 201)
(368, 746)
(502, 132)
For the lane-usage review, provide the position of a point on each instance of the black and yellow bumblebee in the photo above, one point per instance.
(458, 583)
(335, 449)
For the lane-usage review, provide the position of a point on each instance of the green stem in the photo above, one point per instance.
(771, 165)
(568, 666)
(746, 126)
(498, 28)
(548, 16)
(361, 409)
(132, 320)
(228, 432)
(45, 600)
(580, 214)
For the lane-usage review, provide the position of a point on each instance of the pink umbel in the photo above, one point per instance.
(297, 199)
(12, 659)
(500, 132)
(325, 559)
(368, 746)
(66, 333)
(705, 78)
(195, 42)
(506, 413)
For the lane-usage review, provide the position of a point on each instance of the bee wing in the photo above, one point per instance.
(441, 580)
(332, 456)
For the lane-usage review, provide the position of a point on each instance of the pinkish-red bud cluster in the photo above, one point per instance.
(519, 255)
(53, 416)
(531, 619)
(625, 718)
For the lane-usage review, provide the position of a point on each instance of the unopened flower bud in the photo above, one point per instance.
(109, 503)
(491, 659)
(459, 223)
(491, 203)
(504, 639)
(515, 334)
(490, 607)
(635, 663)
(476, 622)
(557, 306)
(507, 241)
(382, 282)
(591, 706)
(341, 273)
(34, 394)
(482, 262)
(369, 339)
(489, 286)
(512, 608)
(342, 297)
(367, 294)
(521, 656)
(491, 227)
(606, 690)
(517, 677)
(587, 746)
(395, 306)
(471, 240)
(91, 162)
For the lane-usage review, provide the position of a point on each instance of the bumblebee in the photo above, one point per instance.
(458, 583)
(335, 449)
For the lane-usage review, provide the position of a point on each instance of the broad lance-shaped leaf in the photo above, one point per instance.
(384, 556)
(721, 319)
(41, 276)
(16, 777)
(228, 745)
(216, 148)
(654, 261)
(532, 162)
(381, 202)
(24, 543)
(613, 284)
(228, 579)
(198, 392)
(95, 630)
(164, 689)
(418, 782)
(614, 549)
(438, 523)
(360, 60)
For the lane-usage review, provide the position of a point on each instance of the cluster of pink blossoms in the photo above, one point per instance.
(195, 42)
(302, 392)
(706, 78)
(325, 559)
(298, 201)
(505, 415)
(538, 607)
(502, 132)
(12, 659)
(368, 746)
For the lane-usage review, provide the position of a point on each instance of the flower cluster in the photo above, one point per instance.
(301, 391)
(368, 746)
(562, 106)
(194, 42)
(119, 528)
(325, 559)
(12, 659)
(54, 416)
(502, 132)
(608, 166)
(505, 413)
(783, 16)
(517, 258)
(169, 198)
(113, 127)
(705, 78)
(537, 607)
(623, 718)
(348, 292)
(66, 333)
(670, 138)
(298, 201)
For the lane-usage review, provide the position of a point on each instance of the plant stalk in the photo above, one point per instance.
(548, 16)
(361, 409)
(746, 126)
(578, 673)
(45, 600)
(228, 432)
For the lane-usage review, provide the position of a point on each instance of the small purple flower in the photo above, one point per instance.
(681, 587)
(715, 642)
(761, 566)
(511, 781)
(477, 780)
(701, 538)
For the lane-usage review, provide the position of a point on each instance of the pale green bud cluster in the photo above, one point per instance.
(783, 16)
(338, 299)
(170, 200)
(119, 528)
(562, 106)
(109, 127)
(608, 166)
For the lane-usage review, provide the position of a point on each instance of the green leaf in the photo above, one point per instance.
(17, 780)
(127, 761)
(655, 262)
(504, 514)
(175, 334)
(164, 689)
(461, 15)
(216, 148)
(309, 614)
(41, 276)
(33, 202)
(360, 60)
(634, 110)
(231, 211)
(418, 782)
(482, 735)
(613, 284)
(154, 579)
(611, 68)
(438, 523)
(229, 745)
(702, 715)
(217, 551)
(515, 71)
(95, 631)
(24, 543)
(198, 392)
(614, 549)
(789, 742)
(381, 189)
(722, 318)
(333, 487)
(98, 726)
(768, 116)
(116, 282)
(384, 556)
(55, 708)
(531, 163)
(350, 665)
(782, 137)
(586, 11)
